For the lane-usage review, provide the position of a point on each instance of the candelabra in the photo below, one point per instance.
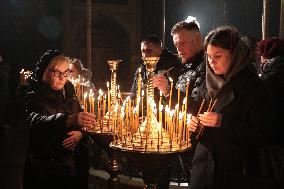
(151, 144)
(102, 132)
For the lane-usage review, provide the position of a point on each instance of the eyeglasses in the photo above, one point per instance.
(57, 73)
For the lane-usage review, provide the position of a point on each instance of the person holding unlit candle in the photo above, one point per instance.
(239, 124)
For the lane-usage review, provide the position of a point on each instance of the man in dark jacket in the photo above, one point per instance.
(188, 41)
(151, 46)
(189, 44)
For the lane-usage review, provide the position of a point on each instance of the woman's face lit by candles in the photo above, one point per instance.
(58, 76)
(219, 59)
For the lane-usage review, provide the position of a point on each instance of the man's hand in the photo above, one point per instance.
(161, 82)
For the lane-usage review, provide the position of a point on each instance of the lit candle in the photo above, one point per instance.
(99, 109)
(187, 125)
(166, 117)
(171, 91)
(104, 106)
(180, 127)
(93, 104)
(85, 102)
(178, 95)
(90, 100)
(82, 87)
(160, 114)
(177, 117)
(184, 108)
(160, 100)
(108, 99)
(138, 85)
(142, 104)
(171, 126)
(22, 77)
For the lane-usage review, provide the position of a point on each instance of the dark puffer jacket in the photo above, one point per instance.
(47, 111)
(48, 160)
(273, 77)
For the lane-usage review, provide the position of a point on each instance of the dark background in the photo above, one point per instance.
(29, 27)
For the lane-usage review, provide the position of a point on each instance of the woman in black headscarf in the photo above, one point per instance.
(57, 151)
(271, 51)
(241, 121)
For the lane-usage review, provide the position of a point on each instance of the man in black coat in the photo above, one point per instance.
(151, 46)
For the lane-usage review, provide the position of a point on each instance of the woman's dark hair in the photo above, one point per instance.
(226, 37)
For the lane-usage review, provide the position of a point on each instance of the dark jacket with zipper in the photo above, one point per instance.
(273, 77)
(46, 114)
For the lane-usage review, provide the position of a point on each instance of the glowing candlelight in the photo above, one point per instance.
(186, 92)
(85, 102)
(160, 114)
(184, 108)
(90, 100)
(99, 109)
(177, 116)
(108, 98)
(171, 92)
(104, 105)
(142, 104)
(138, 85)
(178, 95)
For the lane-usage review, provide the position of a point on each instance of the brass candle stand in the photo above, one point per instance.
(103, 132)
(106, 123)
(150, 145)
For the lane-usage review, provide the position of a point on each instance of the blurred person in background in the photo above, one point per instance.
(271, 51)
(5, 93)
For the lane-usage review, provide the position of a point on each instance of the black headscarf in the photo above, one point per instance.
(41, 65)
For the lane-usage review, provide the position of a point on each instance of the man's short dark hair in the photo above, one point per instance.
(190, 26)
(152, 39)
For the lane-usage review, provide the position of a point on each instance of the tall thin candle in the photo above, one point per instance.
(171, 92)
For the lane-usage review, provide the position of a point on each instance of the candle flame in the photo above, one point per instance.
(161, 108)
(180, 115)
(177, 105)
(184, 100)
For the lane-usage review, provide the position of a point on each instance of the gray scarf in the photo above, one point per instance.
(240, 59)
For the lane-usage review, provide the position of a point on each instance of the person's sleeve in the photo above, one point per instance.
(257, 129)
(37, 120)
